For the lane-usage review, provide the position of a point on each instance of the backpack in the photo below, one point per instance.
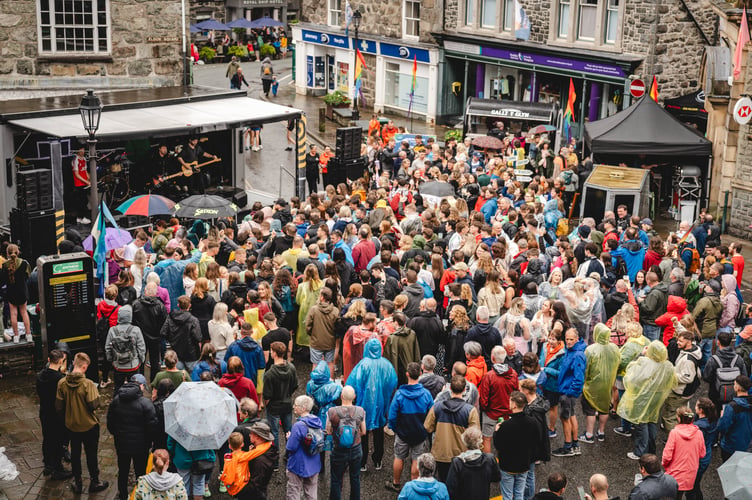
(314, 440)
(566, 177)
(267, 70)
(427, 292)
(694, 262)
(123, 348)
(692, 293)
(724, 379)
(103, 324)
(347, 428)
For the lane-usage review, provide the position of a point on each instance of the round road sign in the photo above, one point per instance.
(743, 111)
(637, 88)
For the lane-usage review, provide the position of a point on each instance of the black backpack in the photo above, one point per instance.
(103, 325)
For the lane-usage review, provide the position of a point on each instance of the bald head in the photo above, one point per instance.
(348, 394)
(430, 304)
(598, 483)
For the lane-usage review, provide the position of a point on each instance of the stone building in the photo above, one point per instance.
(47, 45)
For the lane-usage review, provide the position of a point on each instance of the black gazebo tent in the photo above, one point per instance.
(689, 108)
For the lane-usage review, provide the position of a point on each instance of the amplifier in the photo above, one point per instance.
(34, 189)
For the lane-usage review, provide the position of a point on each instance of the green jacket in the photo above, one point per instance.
(402, 348)
(77, 397)
(707, 315)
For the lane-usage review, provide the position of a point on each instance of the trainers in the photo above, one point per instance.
(98, 485)
(620, 431)
(377, 466)
(62, 474)
(563, 452)
(393, 487)
(552, 434)
(85, 220)
(207, 493)
(576, 450)
(363, 468)
(584, 438)
(104, 383)
(222, 487)
(601, 437)
(16, 339)
(632, 456)
(77, 486)
(288, 148)
(388, 431)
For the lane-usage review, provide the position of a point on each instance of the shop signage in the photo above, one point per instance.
(549, 61)
(326, 39)
(404, 52)
(256, 3)
(510, 113)
(637, 88)
(743, 111)
(162, 39)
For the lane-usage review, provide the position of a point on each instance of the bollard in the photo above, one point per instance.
(322, 120)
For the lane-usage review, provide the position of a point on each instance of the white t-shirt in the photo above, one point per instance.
(129, 253)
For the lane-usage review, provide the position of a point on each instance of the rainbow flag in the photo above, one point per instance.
(569, 112)
(654, 90)
(412, 85)
(360, 63)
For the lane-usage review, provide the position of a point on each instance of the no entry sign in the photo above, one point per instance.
(637, 88)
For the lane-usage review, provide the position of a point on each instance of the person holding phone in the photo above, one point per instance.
(598, 489)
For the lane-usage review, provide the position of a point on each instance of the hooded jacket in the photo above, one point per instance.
(320, 326)
(280, 382)
(730, 302)
(299, 462)
(681, 456)
(471, 474)
(487, 336)
(125, 347)
(429, 330)
(132, 419)
(167, 484)
(433, 383)
(735, 425)
(149, 314)
(602, 358)
(551, 366)
(424, 489)
(408, 412)
(633, 254)
(323, 390)
(183, 332)
(654, 303)
(353, 347)
(658, 485)
(476, 370)
(77, 397)
(448, 419)
(374, 380)
(707, 313)
(687, 370)
(647, 383)
(494, 390)
(47, 381)
(241, 386)
(572, 370)
(516, 442)
(677, 308)
(250, 353)
(401, 348)
(414, 294)
(538, 411)
(266, 63)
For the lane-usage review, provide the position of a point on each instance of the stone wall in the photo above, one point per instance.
(134, 62)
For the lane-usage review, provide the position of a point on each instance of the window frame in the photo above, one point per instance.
(95, 26)
(339, 13)
(406, 21)
(572, 37)
(476, 24)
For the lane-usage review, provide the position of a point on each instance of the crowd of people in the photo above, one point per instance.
(474, 329)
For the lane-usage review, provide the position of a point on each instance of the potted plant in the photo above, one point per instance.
(336, 99)
(206, 54)
(454, 133)
(238, 51)
(267, 50)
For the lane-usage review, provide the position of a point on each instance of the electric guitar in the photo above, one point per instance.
(186, 171)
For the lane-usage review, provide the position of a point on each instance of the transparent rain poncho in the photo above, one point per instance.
(374, 381)
(648, 381)
(602, 362)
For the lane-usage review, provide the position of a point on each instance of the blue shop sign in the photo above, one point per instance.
(367, 46)
(551, 61)
(338, 41)
(404, 52)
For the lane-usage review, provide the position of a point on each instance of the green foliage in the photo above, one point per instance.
(337, 98)
(237, 51)
(207, 53)
(294, 21)
(267, 50)
(453, 134)
(240, 32)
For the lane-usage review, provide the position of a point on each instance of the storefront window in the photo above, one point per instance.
(488, 15)
(335, 12)
(563, 31)
(587, 19)
(397, 92)
(469, 12)
(508, 15)
(612, 21)
(411, 19)
(342, 69)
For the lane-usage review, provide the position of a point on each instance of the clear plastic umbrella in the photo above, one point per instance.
(200, 415)
(735, 476)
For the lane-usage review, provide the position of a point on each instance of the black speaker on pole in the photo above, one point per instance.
(348, 142)
(33, 232)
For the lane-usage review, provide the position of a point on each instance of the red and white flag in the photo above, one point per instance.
(740, 43)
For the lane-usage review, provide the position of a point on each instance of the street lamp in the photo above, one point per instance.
(91, 112)
(356, 18)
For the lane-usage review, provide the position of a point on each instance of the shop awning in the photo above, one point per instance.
(515, 110)
(170, 119)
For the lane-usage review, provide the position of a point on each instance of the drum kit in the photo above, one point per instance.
(114, 179)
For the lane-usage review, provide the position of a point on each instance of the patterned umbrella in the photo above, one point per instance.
(146, 205)
(487, 142)
(114, 238)
(541, 129)
(205, 206)
(200, 415)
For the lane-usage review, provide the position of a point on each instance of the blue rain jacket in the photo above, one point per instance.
(374, 381)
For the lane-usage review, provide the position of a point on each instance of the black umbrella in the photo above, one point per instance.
(435, 188)
(205, 206)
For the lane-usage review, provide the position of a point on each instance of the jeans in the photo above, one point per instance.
(194, 483)
(513, 485)
(274, 425)
(378, 445)
(90, 442)
(341, 459)
(530, 482)
(124, 466)
(626, 425)
(644, 438)
(652, 332)
(706, 346)
(186, 365)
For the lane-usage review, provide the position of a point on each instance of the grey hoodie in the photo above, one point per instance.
(162, 482)
(266, 63)
(125, 347)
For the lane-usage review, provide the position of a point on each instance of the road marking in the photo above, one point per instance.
(285, 77)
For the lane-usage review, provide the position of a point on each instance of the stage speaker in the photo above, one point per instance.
(237, 195)
(348, 142)
(33, 232)
(34, 189)
(341, 171)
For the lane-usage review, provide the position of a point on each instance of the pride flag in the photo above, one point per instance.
(569, 112)
(654, 90)
(360, 63)
(412, 85)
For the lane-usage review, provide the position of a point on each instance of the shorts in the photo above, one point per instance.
(552, 397)
(487, 425)
(317, 356)
(567, 405)
(587, 408)
(402, 449)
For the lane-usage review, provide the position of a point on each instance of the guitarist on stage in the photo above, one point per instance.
(163, 163)
(189, 157)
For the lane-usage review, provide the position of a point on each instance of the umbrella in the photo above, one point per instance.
(146, 205)
(487, 142)
(200, 415)
(266, 22)
(195, 29)
(541, 129)
(735, 474)
(113, 238)
(212, 24)
(435, 188)
(241, 23)
(205, 206)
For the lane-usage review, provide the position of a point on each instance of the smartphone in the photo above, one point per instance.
(581, 492)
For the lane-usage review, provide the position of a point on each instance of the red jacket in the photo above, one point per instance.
(681, 456)
(494, 390)
(676, 308)
(105, 310)
(362, 253)
(241, 387)
(651, 258)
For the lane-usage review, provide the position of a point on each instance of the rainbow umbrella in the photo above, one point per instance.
(146, 205)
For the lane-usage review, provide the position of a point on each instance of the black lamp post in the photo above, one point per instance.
(356, 18)
(91, 112)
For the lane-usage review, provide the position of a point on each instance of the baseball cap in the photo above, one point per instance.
(139, 379)
(461, 266)
(646, 221)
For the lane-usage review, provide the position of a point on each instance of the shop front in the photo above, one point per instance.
(519, 71)
(325, 63)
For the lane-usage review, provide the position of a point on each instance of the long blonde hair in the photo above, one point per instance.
(220, 313)
(201, 287)
(466, 293)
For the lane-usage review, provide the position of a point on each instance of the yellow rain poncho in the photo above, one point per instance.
(251, 316)
(648, 381)
(306, 297)
(631, 349)
(602, 362)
